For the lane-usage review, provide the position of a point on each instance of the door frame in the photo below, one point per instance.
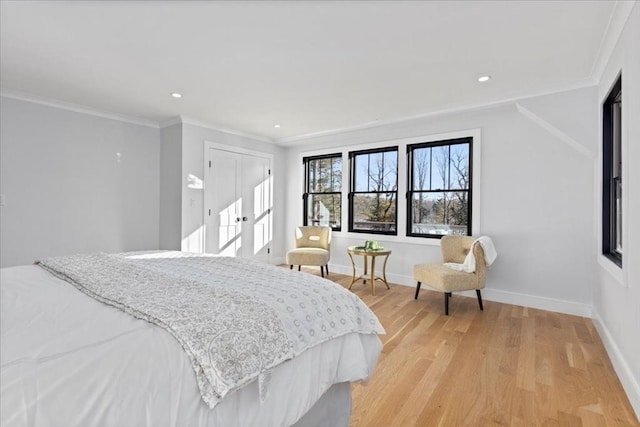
(210, 145)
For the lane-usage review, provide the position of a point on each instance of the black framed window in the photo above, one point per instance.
(612, 174)
(323, 190)
(439, 188)
(373, 191)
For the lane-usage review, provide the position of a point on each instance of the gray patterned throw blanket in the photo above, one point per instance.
(235, 318)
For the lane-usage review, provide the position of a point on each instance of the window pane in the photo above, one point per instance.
(617, 175)
(362, 172)
(388, 172)
(422, 168)
(459, 167)
(324, 209)
(376, 167)
(440, 213)
(440, 167)
(325, 175)
(312, 172)
(618, 216)
(374, 212)
(376, 171)
(315, 175)
(336, 174)
(616, 111)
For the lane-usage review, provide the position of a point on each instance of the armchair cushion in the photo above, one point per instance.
(308, 256)
(444, 278)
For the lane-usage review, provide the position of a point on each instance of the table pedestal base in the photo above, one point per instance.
(372, 277)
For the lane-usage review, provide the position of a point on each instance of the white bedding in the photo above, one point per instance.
(69, 360)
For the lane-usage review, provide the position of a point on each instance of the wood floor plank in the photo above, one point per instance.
(526, 369)
(504, 366)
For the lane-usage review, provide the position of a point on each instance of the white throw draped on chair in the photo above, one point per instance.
(469, 264)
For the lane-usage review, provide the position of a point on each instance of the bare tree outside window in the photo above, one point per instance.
(374, 192)
(440, 187)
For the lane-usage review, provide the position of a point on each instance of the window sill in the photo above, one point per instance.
(386, 238)
(612, 268)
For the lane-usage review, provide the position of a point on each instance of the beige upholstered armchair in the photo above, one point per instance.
(313, 247)
(438, 276)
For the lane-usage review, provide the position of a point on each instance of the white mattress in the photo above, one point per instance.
(67, 359)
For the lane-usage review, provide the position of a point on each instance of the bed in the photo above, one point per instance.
(73, 354)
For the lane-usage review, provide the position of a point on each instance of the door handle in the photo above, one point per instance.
(238, 219)
(244, 218)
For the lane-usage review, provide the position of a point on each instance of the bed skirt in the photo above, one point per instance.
(332, 410)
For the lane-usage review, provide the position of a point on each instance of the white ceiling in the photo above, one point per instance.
(308, 66)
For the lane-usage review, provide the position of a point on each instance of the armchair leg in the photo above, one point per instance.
(417, 290)
(446, 303)
(291, 267)
(322, 271)
(326, 268)
(299, 267)
(479, 299)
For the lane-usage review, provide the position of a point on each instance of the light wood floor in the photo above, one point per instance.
(507, 365)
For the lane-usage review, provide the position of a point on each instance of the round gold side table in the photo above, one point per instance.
(354, 250)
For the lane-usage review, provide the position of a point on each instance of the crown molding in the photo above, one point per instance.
(216, 127)
(617, 21)
(77, 108)
(298, 139)
(293, 140)
(170, 122)
(286, 141)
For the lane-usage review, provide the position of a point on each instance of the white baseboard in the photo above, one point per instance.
(629, 382)
(533, 301)
(497, 295)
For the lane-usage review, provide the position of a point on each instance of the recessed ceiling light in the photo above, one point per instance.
(176, 95)
(483, 79)
(276, 126)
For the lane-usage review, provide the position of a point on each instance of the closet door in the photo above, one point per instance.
(256, 189)
(237, 204)
(223, 195)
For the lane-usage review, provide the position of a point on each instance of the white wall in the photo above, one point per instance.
(171, 187)
(66, 188)
(536, 197)
(193, 138)
(616, 295)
